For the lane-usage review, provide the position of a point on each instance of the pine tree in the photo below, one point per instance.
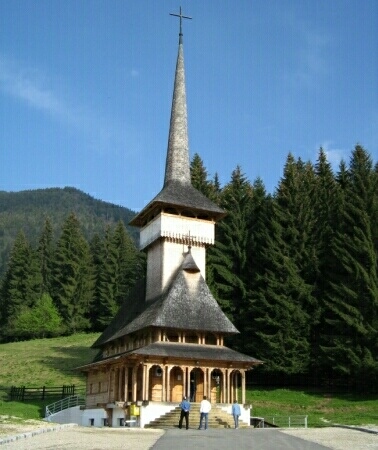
(129, 263)
(326, 202)
(228, 258)
(96, 248)
(45, 254)
(285, 276)
(280, 328)
(119, 266)
(73, 277)
(200, 179)
(351, 333)
(22, 282)
(107, 305)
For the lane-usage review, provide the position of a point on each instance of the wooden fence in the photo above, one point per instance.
(45, 392)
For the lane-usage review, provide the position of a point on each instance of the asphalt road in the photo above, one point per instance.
(231, 439)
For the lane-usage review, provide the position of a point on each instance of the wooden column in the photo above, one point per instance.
(209, 370)
(126, 385)
(204, 381)
(134, 384)
(147, 394)
(119, 397)
(243, 386)
(109, 382)
(223, 391)
(184, 383)
(169, 368)
(229, 386)
(144, 381)
(164, 384)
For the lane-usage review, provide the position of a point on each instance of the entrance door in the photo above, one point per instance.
(196, 385)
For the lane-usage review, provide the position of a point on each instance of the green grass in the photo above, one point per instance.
(52, 362)
(322, 408)
(45, 362)
(41, 362)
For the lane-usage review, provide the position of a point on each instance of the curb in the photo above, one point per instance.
(350, 427)
(17, 437)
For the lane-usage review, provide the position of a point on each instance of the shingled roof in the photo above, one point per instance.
(181, 350)
(178, 194)
(194, 351)
(186, 303)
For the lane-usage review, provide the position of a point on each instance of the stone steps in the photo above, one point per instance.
(217, 418)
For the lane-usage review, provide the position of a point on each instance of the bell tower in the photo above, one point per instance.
(179, 216)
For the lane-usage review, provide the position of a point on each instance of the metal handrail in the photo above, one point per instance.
(288, 421)
(68, 402)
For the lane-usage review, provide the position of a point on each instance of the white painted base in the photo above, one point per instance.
(97, 417)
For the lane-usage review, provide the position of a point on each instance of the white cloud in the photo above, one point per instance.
(34, 88)
(27, 85)
(312, 47)
(334, 155)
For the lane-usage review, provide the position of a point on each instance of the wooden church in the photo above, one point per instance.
(167, 340)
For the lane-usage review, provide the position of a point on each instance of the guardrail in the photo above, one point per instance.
(295, 421)
(68, 402)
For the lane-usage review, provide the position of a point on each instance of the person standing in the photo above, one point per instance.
(205, 408)
(236, 413)
(185, 408)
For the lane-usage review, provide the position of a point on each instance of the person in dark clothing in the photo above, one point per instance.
(185, 409)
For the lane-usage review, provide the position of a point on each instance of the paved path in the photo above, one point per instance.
(228, 439)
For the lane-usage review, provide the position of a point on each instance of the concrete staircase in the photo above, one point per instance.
(217, 418)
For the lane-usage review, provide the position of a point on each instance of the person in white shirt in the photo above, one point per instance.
(205, 408)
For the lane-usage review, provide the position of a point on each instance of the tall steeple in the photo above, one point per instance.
(178, 195)
(177, 166)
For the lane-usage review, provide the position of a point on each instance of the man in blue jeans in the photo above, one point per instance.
(205, 408)
(236, 413)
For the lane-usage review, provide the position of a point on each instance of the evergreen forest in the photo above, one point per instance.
(295, 270)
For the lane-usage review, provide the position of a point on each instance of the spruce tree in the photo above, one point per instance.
(326, 203)
(96, 248)
(119, 265)
(200, 179)
(287, 271)
(228, 257)
(351, 332)
(107, 305)
(130, 263)
(46, 254)
(280, 326)
(22, 282)
(73, 277)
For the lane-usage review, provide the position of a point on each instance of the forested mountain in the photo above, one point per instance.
(28, 210)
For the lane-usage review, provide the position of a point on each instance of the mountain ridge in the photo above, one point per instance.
(27, 211)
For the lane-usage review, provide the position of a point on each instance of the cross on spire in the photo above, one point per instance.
(181, 17)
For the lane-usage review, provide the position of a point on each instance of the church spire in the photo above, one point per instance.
(177, 166)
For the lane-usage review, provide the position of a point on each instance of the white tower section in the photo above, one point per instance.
(169, 236)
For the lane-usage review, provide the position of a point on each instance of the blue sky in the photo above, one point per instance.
(86, 88)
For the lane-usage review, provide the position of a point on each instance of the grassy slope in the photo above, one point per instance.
(51, 362)
(321, 407)
(45, 362)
